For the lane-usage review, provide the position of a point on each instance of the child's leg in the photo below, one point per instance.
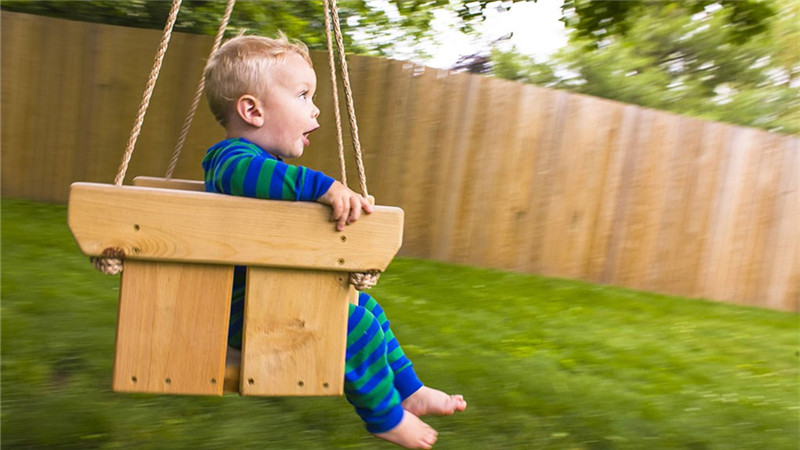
(369, 381)
(369, 385)
(405, 379)
(415, 397)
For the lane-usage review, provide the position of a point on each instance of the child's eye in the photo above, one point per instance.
(304, 95)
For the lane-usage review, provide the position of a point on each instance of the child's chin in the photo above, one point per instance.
(290, 154)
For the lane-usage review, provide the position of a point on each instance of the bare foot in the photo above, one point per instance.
(411, 432)
(427, 401)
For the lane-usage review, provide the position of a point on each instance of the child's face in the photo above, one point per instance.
(289, 111)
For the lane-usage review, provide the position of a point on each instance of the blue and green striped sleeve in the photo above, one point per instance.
(239, 167)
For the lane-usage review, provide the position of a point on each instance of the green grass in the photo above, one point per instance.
(544, 364)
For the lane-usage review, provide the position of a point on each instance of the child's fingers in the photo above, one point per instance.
(341, 223)
(343, 213)
(336, 209)
(367, 203)
(355, 209)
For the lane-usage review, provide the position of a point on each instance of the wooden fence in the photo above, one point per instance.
(490, 173)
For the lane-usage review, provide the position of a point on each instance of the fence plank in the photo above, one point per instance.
(675, 264)
(489, 179)
(617, 129)
(473, 128)
(547, 147)
(782, 264)
(506, 199)
(452, 141)
(421, 157)
(18, 68)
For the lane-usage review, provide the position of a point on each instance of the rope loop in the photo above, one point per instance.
(364, 280)
(110, 262)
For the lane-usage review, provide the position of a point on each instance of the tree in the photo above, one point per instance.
(728, 60)
(673, 58)
(380, 26)
(300, 19)
(514, 66)
(595, 20)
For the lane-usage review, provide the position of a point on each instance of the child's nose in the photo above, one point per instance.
(314, 111)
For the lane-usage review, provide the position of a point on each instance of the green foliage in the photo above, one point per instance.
(299, 19)
(673, 58)
(515, 66)
(697, 58)
(596, 20)
(544, 363)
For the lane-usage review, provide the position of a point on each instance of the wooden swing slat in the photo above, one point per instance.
(172, 328)
(173, 225)
(295, 331)
(171, 183)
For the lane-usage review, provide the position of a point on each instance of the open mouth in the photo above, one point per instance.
(306, 141)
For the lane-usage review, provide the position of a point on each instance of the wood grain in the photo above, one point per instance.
(295, 331)
(172, 225)
(172, 328)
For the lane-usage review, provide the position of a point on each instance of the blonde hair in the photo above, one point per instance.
(242, 66)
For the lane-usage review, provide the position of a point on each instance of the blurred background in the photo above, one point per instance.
(578, 177)
(728, 60)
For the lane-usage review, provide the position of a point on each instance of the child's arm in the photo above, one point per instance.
(238, 168)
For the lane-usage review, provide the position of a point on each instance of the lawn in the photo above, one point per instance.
(544, 364)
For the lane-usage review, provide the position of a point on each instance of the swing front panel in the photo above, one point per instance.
(180, 246)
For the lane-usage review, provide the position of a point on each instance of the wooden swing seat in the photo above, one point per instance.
(180, 246)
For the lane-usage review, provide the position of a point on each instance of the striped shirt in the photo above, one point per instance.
(239, 167)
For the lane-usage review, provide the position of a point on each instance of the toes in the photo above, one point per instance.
(459, 404)
(430, 438)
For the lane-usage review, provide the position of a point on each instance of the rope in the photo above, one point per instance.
(199, 93)
(110, 262)
(148, 92)
(335, 91)
(348, 92)
(360, 280)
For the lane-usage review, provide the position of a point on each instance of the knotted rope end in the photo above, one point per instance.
(110, 262)
(364, 280)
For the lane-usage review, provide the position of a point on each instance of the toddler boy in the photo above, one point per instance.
(261, 90)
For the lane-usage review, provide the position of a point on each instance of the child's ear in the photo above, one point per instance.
(250, 110)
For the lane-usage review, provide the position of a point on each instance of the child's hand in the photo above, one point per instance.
(346, 204)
